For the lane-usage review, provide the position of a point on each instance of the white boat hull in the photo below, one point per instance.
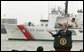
(35, 33)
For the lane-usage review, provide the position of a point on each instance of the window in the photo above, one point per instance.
(41, 24)
(81, 31)
(73, 32)
(46, 25)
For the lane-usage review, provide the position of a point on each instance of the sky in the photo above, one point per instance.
(33, 11)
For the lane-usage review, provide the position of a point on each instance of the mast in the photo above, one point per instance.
(66, 8)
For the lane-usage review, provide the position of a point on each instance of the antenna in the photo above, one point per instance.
(48, 7)
(66, 8)
(51, 7)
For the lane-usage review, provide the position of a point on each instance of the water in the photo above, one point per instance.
(8, 45)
